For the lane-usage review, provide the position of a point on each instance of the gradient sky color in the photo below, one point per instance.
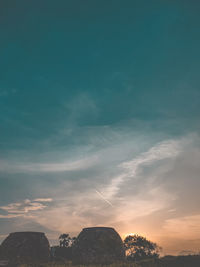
(99, 121)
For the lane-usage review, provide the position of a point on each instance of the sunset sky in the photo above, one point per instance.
(100, 118)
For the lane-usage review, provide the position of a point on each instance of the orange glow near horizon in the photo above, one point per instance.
(125, 235)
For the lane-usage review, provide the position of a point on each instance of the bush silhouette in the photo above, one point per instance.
(138, 248)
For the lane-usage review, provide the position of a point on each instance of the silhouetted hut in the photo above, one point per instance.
(26, 247)
(100, 245)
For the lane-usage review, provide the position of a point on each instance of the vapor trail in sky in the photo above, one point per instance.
(107, 201)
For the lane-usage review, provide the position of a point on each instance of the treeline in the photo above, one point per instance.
(95, 246)
(140, 252)
(137, 248)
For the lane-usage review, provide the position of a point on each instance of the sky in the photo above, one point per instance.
(99, 118)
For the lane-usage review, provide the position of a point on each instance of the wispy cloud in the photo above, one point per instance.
(160, 151)
(9, 216)
(18, 209)
(164, 150)
(81, 107)
(43, 199)
(51, 167)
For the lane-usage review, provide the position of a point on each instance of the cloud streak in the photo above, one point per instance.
(25, 207)
(165, 150)
(52, 167)
(43, 199)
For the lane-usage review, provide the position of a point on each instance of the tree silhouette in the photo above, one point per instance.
(73, 240)
(138, 247)
(66, 241)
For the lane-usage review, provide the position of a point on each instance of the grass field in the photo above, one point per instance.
(70, 265)
(169, 261)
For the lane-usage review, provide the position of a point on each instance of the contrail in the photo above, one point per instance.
(107, 201)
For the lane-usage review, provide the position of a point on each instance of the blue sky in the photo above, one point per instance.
(99, 121)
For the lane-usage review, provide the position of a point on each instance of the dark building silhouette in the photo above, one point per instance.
(25, 247)
(98, 245)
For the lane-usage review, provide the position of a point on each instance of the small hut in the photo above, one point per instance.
(98, 245)
(25, 247)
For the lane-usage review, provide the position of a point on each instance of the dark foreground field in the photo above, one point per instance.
(168, 261)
